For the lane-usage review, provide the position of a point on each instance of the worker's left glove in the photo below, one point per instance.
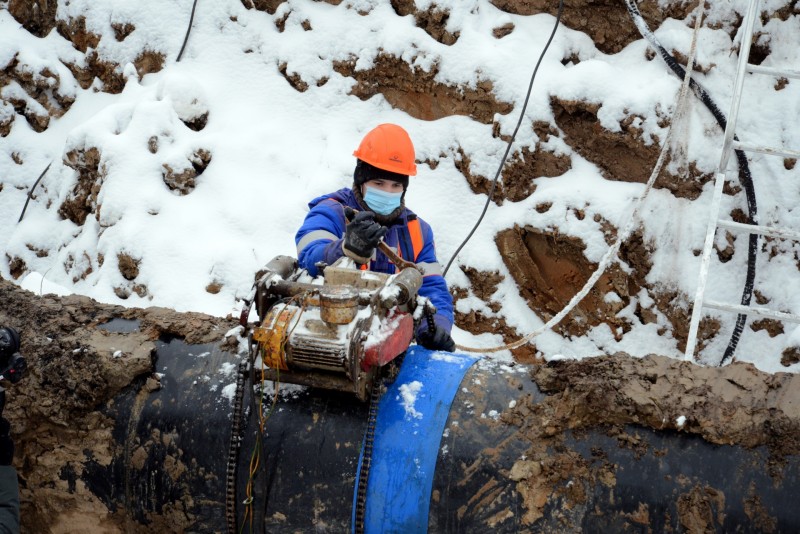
(436, 339)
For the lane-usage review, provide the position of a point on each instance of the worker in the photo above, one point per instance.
(385, 160)
(9, 487)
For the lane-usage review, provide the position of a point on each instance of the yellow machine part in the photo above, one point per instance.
(271, 336)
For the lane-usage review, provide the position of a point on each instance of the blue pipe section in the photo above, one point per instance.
(411, 418)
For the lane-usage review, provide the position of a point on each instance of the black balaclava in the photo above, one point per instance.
(365, 172)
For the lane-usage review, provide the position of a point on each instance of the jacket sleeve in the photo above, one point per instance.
(434, 286)
(319, 239)
(9, 500)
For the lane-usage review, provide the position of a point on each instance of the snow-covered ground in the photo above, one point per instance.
(274, 148)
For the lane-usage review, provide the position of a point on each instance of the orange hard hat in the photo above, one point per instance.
(388, 147)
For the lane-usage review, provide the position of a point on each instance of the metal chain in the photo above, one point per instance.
(231, 470)
(369, 441)
(429, 317)
(378, 388)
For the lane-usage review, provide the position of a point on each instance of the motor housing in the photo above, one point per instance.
(335, 331)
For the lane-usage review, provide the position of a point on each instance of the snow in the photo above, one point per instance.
(454, 359)
(227, 369)
(274, 148)
(39, 285)
(285, 391)
(680, 421)
(794, 338)
(381, 329)
(408, 397)
(229, 392)
(494, 415)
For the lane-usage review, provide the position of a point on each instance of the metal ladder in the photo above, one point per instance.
(715, 222)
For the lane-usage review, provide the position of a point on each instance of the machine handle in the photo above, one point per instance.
(349, 213)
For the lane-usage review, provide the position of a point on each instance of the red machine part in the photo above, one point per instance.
(390, 341)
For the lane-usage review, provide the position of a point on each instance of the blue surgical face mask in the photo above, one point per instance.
(382, 202)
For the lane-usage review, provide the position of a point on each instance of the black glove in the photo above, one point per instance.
(436, 339)
(6, 443)
(362, 236)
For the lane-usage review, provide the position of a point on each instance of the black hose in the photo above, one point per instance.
(510, 142)
(745, 177)
(188, 30)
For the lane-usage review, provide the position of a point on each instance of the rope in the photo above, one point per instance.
(622, 236)
(510, 142)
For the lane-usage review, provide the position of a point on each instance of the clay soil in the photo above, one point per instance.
(623, 398)
(75, 369)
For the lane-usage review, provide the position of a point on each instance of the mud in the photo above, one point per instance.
(82, 200)
(547, 268)
(483, 285)
(550, 268)
(433, 20)
(625, 156)
(605, 21)
(415, 91)
(518, 177)
(75, 370)
(624, 397)
(183, 181)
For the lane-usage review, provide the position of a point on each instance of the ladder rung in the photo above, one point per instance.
(738, 145)
(772, 71)
(747, 310)
(782, 233)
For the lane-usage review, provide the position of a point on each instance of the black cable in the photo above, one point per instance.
(188, 30)
(30, 191)
(745, 177)
(259, 443)
(510, 142)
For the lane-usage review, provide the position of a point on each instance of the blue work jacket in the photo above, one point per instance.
(320, 237)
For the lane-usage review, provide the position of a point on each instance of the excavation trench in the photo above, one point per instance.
(609, 443)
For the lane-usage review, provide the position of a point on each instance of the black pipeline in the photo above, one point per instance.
(174, 443)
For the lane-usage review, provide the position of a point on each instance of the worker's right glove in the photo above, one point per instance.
(436, 339)
(361, 237)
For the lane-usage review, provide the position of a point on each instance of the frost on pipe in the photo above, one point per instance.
(501, 463)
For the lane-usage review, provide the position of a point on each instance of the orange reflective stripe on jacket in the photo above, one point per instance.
(415, 231)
